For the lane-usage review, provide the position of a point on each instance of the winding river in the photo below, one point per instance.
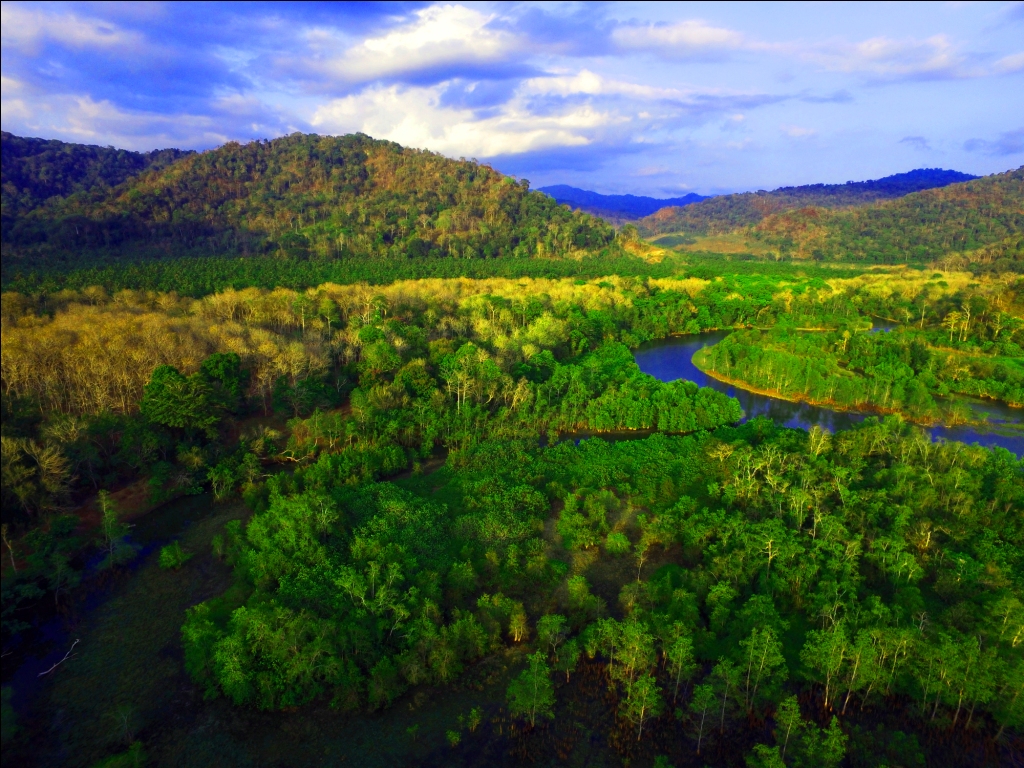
(671, 359)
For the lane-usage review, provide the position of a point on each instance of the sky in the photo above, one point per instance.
(645, 98)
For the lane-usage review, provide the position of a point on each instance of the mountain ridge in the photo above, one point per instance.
(305, 196)
(615, 206)
(726, 213)
(35, 170)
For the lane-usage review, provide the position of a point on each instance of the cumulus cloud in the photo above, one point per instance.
(540, 87)
(81, 118)
(436, 37)
(562, 110)
(416, 117)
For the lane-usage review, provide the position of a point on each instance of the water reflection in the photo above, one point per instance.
(672, 359)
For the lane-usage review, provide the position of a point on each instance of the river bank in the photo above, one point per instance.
(861, 408)
(673, 358)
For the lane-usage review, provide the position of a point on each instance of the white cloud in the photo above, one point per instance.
(588, 83)
(878, 57)
(438, 36)
(414, 117)
(682, 39)
(702, 101)
(12, 103)
(79, 118)
(25, 28)
(562, 110)
(1010, 64)
(886, 58)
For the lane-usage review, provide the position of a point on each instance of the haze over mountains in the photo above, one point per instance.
(626, 207)
(308, 196)
(631, 207)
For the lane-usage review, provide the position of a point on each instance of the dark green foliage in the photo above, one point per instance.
(133, 757)
(374, 589)
(36, 170)
(303, 196)
(180, 402)
(203, 275)
(908, 371)
(924, 226)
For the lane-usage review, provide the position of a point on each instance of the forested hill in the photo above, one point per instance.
(628, 207)
(979, 221)
(35, 170)
(307, 195)
(727, 213)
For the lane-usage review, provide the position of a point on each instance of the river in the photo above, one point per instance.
(671, 359)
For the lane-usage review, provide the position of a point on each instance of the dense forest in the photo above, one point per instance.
(975, 224)
(34, 171)
(712, 586)
(305, 196)
(728, 212)
(368, 474)
(905, 371)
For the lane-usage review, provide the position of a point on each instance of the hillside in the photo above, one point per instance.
(306, 195)
(981, 220)
(726, 213)
(618, 207)
(36, 170)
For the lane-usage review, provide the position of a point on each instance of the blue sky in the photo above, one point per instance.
(643, 98)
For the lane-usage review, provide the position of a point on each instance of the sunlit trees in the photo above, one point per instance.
(531, 695)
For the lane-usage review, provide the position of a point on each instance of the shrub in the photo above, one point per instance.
(173, 556)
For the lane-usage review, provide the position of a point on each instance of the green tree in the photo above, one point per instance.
(114, 532)
(551, 631)
(180, 402)
(703, 699)
(825, 652)
(680, 657)
(726, 676)
(568, 657)
(787, 716)
(764, 756)
(531, 694)
(765, 664)
(643, 701)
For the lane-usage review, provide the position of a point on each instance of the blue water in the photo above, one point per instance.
(672, 359)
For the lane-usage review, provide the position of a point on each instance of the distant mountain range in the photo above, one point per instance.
(725, 213)
(978, 221)
(749, 207)
(615, 206)
(308, 196)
